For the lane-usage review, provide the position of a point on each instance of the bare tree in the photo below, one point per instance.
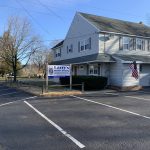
(40, 58)
(17, 44)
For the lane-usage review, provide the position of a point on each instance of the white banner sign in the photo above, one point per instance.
(58, 70)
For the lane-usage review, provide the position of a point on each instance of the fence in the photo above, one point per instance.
(38, 86)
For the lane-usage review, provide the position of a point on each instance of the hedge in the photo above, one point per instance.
(90, 82)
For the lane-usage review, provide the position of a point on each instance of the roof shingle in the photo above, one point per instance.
(117, 26)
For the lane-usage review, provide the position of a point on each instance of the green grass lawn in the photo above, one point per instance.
(36, 82)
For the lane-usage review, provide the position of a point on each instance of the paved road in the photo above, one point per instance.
(93, 121)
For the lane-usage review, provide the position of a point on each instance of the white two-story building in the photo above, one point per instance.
(101, 46)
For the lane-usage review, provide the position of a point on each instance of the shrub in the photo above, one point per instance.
(90, 82)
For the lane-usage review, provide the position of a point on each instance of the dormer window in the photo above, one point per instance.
(140, 44)
(126, 41)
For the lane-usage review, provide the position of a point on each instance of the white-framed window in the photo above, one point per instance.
(132, 44)
(70, 48)
(140, 44)
(126, 41)
(93, 70)
(58, 53)
(84, 44)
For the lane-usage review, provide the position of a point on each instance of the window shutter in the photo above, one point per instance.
(79, 46)
(120, 43)
(143, 44)
(67, 49)
(71, 47)
(60, 51)
(90, 43)
(134, 43)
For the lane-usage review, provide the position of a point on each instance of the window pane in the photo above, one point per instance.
(140, 44)
(126, 42)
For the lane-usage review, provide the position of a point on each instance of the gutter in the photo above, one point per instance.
(131, 35)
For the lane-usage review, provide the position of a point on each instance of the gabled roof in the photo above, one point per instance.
(86, 59)
(58, 44)
(117, 26)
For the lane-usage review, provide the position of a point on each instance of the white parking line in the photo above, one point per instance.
(56, 126)
(130, 112)
(144, 92)
(109, 93)
(4, 104)
(9, 93)
(140, 98)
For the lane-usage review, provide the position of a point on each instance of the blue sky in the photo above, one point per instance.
(51, 19)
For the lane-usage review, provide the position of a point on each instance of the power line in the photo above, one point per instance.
(49, 10)
(20, 9)
(46, 31)
(95, 7)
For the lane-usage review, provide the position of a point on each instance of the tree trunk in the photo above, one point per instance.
(15, 74)
(15, 68)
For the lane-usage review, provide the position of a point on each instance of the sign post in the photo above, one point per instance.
(70, 77)
(46, 77)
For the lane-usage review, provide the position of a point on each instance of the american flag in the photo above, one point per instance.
(133, 67)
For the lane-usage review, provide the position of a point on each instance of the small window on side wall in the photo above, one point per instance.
(84, 44)
(70, 48)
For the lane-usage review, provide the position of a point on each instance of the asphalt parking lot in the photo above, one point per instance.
(92, 121)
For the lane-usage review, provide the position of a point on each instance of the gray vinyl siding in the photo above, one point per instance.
(108, 46)
(82, 71)
(145, 75)
(116, 72)
(80, 30)
(112, 46)
(128, 80)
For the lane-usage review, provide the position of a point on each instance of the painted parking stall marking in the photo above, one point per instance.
(56, 126)
(4, 104)
(139, 98)
(9, 93)
(113, 107)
